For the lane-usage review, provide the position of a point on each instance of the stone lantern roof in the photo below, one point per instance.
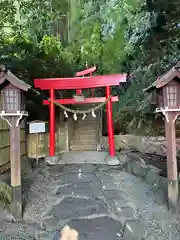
(6, 74)
(165, 78)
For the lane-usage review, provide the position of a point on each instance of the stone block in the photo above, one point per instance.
(126, 212)
(123, 160)
(78, 207)
(74, 178)
(56, 236)
(163, 183)
(86, 167)
(51, 160)
(134, 229)
(152, 178)
(138, 170)
(151, 237)
(103, 168)
(154, 169)
(134, 156)
(89, 142)
(139, 143)
(112, 194)
(82, 189)
(112, 161)
(128, 168)
(100, 228)
(44, 235)
(49, 223)
(85, 147)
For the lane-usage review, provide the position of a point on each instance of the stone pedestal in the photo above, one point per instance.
(173, 195)
(51, 160)
(112, 160)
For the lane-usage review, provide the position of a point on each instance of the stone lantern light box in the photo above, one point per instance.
(11, 99)
(12, 94)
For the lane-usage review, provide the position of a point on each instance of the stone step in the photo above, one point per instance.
(85, 130)
(87, 133)
(83, 137)
(86, 125)
(84, 142)
(86, 138)
(83, 147)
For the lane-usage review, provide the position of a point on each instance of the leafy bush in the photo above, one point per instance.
(55, 38)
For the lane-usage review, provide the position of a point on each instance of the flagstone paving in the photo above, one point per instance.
(99, 201)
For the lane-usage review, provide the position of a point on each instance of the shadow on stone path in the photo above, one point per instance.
(99, 201)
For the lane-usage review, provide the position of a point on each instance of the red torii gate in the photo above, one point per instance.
(78, 83)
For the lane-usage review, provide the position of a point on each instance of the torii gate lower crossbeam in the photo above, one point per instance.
(81, 83)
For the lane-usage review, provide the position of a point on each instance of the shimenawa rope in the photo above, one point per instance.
(80, 111)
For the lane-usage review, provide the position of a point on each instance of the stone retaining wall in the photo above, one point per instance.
(133, 164)
(153, 145)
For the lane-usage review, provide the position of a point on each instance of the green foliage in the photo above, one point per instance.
(56, 38)
(43, 17)
(7, 13)
(5, 194)
(103, 32)
(29, 58)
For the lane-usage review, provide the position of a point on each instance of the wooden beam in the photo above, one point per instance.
(173, 190)
(86, 100)
(15, 156)
(80, 82)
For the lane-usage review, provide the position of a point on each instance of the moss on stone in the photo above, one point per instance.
(5, 194)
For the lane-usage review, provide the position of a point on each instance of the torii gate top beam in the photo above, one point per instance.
(80, 82)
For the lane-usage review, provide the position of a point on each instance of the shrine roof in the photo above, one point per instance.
(6, 74)
(165, 78)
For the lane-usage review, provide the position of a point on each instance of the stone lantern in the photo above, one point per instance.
(167, 91)
(13, 110)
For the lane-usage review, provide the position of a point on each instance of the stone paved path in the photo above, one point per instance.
(99, 201)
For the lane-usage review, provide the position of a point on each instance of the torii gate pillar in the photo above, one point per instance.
(51, 125)
(110, 123)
